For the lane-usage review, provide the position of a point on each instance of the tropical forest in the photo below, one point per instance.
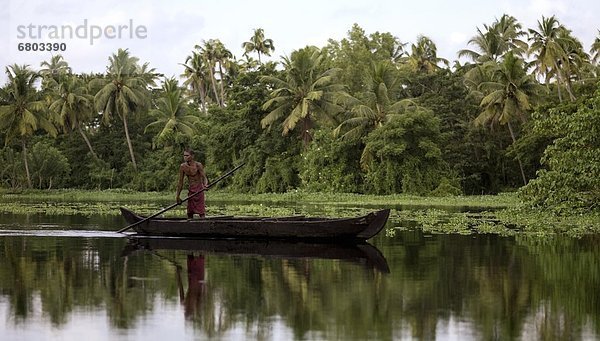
(517, 112)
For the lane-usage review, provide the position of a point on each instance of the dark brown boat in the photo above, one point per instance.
(287, 228)
(362, 253)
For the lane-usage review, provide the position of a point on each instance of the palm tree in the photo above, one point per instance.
(548, 45)
(595, 50)
(376, 107)
(22, 113)
(508, 96)
(196, 77)
(172, 113)
(307, 93)
(496, 40)
(208, 51)
(52, 70)
(73, 105)
(423, 56)
(488, 45)
(510, 32)
(223, 58)
(259, 44)
(123, 92)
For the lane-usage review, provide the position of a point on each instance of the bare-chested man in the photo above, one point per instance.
(197, 181)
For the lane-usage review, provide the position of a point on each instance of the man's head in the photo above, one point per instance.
(188, 154)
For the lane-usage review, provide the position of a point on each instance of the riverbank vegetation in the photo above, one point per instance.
(488, 214)
(370, 114)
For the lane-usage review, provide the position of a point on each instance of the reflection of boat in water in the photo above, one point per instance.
(361, 252)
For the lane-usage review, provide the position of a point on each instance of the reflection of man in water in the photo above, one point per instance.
(193, 298)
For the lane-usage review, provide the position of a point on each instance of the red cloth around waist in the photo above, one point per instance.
(195, 204)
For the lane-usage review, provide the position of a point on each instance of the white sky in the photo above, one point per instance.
(175, 26)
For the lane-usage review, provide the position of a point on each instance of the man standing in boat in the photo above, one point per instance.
(197, 181)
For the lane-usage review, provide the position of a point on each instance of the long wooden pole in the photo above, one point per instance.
(179, 203)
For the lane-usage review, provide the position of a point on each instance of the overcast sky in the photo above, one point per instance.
(165, 31)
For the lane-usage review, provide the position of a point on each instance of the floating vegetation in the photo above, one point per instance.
(458, 215)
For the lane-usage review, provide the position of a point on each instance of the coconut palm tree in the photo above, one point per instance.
(171, 114)
(259, 44)
(124, 91)
(595, 50)
(209, 53)
(508, 96)
(375, 108)
(423, 56)
(223, 58)
(22, 112)
(53, 69)
(494, 41)
(195, 74)
(306, 93)
(548, 46)
(73, 105)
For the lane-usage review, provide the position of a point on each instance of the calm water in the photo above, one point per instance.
(72, 278)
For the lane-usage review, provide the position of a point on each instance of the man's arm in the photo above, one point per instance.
(180, 184)
(204, 178)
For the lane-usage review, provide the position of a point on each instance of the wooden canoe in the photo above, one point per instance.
(362, 253)
(332, 229)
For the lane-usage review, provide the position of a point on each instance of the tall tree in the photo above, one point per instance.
(209, 53)
(508, 96)
(172, 113)
(259, 44)
(548, 46)
(195, 74)
(223, 58)
(52, 70)
(73, 105)
(595, 50)
(22, 114)
(305, 94)
(494, 41)
(375, 107)
(423, 56)
(124, 91)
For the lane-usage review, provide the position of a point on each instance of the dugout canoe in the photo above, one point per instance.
(361, 253)
(298, 227)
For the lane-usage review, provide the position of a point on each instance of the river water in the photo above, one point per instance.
(74, 278)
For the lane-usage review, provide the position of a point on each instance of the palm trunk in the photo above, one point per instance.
(512, 135)
(202, 93)
(213, 82)
(222, 87)
(87, 141)
(129, 142)
(26, 163)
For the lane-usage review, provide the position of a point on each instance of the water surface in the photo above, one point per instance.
(73, 277)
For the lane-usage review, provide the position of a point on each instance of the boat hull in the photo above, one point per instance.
(360, 228)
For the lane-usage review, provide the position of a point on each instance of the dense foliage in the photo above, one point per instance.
(366, 114)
